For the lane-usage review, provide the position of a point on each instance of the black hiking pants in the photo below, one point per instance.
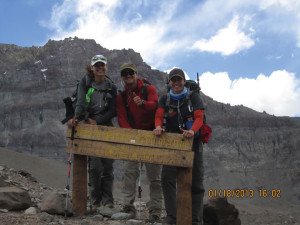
(169, 181)
(101, 178)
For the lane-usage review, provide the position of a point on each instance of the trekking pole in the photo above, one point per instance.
(140, 190)
(90, 184)
(69, 171)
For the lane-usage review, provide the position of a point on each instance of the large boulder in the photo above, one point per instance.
(218, 211)
(13, 198)
(55, 203)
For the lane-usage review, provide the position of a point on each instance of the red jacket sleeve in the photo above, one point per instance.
(159, 117)
(122, 113)
(198, 120)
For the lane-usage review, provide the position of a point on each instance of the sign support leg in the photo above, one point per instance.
(184, 196)
(79, 193)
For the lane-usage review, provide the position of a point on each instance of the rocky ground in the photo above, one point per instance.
(251, 212)
(23, 180)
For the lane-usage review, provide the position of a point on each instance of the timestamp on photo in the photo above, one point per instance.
(244, 193)
(274, 193)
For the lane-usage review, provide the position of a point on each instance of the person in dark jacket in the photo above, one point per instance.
(97, 104)
(177, 115)
(139, 115)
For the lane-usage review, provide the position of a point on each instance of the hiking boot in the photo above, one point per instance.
(94, 208)
(154, 218)
(169, 220)
(130, 210)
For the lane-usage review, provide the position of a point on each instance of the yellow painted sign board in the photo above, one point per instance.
(131, 144)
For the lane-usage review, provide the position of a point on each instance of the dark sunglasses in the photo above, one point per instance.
(126, 72)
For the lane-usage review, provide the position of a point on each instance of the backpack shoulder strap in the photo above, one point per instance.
(189, 101)
(144, 88)
(129, 116)
(108, 85)
(167, 104)
(88, 82)
(168, 100)
(123, 93)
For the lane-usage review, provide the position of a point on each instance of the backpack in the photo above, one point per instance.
(146, 82)
(70, 102)
(192, 87)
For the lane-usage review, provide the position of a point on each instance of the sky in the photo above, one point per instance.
(245, 52)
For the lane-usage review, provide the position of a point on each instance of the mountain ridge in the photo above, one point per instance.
(247, 149)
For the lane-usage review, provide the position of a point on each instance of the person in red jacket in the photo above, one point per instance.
(139, 114)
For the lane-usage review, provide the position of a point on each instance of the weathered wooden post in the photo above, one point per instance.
(133, 145)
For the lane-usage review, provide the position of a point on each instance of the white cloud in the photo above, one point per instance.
(277, 94)
(289, 5)
(229, 40)
(94, 19)
(162, 31)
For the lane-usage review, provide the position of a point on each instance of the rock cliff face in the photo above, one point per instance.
(35, 80)
(247, 150)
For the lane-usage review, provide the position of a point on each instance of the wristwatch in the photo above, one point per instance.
(143, 102)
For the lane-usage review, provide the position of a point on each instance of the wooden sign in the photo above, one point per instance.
(133, 145)
(131, 136)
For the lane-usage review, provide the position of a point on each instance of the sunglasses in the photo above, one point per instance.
(126, 72)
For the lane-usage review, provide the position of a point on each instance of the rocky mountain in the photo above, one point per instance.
(35, 80)
(248, 150)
